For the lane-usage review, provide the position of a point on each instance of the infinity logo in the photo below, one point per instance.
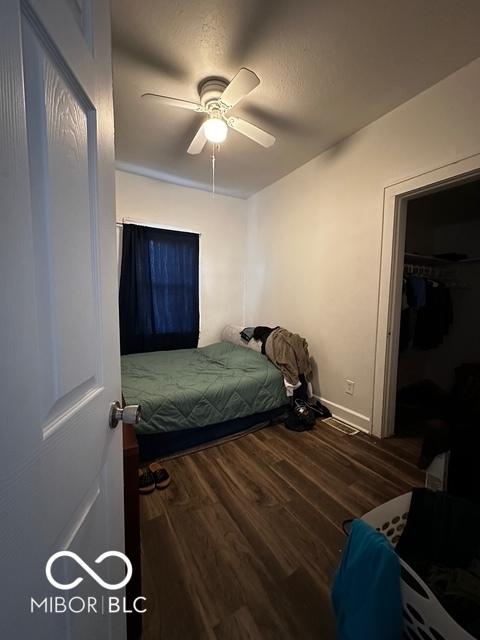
(85, 567)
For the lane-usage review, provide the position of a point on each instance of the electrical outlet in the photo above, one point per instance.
(350, 387)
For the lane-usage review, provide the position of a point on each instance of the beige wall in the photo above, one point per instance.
(221, 221)
(315, 236)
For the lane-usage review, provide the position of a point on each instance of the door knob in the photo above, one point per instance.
(129, 414)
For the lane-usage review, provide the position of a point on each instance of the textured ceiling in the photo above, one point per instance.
(327, 68)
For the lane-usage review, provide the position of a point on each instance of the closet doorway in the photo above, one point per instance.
(439, 340)
(431, 231)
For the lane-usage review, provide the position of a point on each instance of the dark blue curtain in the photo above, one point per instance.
(159, 306)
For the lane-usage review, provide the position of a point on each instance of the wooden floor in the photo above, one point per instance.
(244, 543)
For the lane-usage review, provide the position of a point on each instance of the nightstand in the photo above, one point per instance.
(132, 527)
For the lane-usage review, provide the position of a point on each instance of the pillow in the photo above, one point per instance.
(231, 333)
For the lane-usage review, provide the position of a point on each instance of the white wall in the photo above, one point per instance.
(315, 236)
(222, 222)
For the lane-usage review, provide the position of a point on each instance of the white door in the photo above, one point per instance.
(60, 463)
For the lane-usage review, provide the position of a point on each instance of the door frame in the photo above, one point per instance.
(396, 197)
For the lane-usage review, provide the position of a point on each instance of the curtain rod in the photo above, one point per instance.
(145, 223)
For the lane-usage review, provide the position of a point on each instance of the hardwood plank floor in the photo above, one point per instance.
(244, 542)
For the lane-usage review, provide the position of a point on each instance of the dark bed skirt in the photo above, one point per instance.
(162, 445)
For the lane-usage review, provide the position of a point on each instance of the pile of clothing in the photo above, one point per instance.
(289, 353)
(427, 313)
(441, 542)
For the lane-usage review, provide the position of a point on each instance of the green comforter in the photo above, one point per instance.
(198, 387)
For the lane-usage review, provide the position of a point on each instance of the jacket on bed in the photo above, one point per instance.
(289, 353)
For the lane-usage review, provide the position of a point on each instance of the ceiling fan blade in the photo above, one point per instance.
(244, 82)
(198, 142)
(174, 102)
(252, 131)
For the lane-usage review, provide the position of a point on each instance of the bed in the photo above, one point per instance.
(192, 396)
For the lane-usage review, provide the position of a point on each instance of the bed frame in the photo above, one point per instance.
(175, 443)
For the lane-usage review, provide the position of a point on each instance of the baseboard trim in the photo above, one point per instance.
(352, 418)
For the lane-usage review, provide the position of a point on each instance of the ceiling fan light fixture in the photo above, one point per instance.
(217, 97)
(215, 130)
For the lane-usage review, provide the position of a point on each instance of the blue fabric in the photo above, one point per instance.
(159, 297)
(416, 292)
(161, 444)
(366, 592)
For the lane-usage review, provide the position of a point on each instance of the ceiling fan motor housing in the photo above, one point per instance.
(210, 92)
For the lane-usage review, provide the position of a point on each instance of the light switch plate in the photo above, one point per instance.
(350, 387)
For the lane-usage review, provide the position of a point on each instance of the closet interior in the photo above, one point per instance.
(439, 350)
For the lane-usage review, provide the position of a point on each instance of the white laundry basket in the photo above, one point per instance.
(424, 616)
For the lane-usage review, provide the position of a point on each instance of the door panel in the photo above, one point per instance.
(82, 12)
(60, 463)
(62, 170)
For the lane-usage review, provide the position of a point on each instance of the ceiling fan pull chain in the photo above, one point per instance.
(213, 169)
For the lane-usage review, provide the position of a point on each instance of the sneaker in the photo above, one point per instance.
(146, 481)
(160, 475)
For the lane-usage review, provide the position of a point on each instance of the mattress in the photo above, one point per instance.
(190, 388)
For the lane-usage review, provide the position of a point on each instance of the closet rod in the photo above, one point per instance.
(448, 277)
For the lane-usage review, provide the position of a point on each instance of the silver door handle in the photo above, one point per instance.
(129, 414)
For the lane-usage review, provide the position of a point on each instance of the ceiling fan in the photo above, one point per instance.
(217, 97)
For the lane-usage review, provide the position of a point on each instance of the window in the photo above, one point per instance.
(159, 293)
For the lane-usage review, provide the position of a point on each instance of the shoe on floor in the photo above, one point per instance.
(146, 481)
(160, 475)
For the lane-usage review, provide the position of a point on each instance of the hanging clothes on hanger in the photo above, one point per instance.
(416, 292)
(427, 312)
(434, 318)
